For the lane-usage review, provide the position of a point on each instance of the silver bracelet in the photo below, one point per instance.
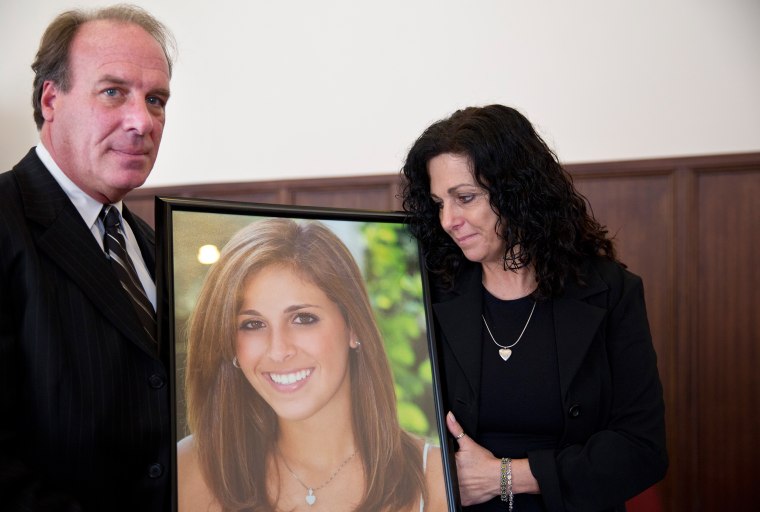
(506, 483)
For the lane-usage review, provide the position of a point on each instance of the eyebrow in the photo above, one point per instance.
(289, 309)
(113, 80)
(455, 188)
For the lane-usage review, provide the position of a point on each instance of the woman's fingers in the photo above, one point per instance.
(454, 428)
(477, 468)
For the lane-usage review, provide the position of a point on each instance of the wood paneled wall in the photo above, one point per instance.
(691, 228)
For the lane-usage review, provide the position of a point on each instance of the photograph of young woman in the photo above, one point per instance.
(290, 397)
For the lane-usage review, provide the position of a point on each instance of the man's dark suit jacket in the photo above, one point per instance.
(613, 441)
(84, 403)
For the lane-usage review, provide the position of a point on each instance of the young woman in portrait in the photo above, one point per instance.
(290, 396)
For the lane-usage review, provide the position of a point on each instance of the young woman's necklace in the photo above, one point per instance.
(310, 496)
(505, 351)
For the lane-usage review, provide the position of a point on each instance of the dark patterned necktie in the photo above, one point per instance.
(116, 247)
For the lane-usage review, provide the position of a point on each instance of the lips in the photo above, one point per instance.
(290, 379)
(132, 152)
(463, 239)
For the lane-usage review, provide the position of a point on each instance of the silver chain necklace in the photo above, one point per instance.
(506, 351)
(310, 497)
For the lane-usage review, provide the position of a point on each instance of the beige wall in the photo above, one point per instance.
(286, 89)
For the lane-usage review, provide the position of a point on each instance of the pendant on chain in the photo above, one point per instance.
(310, 497)
(505, 352)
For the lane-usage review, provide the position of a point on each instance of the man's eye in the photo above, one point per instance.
(251, 325)
(155, 101)
(111, 91)
(305, 318)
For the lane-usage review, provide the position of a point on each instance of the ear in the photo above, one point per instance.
(48, 98)
(354, 340)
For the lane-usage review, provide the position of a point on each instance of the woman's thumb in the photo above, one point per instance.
(453, 425)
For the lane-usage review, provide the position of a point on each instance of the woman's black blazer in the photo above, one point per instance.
(613, 442)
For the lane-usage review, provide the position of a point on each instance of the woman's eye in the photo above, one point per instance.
(466, 198)
(305, 318)
(251, 325)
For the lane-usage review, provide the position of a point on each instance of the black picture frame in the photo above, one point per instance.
(183, 225)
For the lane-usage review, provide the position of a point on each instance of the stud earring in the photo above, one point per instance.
(235, 362)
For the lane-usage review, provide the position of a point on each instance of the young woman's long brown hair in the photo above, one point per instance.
(234, 429)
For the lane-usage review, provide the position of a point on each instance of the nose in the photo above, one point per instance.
(449, 217)
(280, 347)
(138, 117)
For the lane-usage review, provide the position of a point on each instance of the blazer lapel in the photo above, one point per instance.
(69, 243)
(575, 323)
(459, 318)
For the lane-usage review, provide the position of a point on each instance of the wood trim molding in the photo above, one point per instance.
(285, 188)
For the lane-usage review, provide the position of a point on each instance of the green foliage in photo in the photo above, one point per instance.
(394, 284)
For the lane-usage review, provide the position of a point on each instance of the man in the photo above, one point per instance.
(84, 405)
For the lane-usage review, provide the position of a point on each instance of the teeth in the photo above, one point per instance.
(290, 378)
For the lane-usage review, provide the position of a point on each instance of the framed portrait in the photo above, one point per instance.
(303, 369)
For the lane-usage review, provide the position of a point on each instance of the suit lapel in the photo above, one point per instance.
(459, 318)
(575, 323)
(69, 243)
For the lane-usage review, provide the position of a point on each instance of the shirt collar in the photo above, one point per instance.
(88, 207)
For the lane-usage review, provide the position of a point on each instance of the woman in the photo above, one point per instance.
(551, 374)
(290, 397)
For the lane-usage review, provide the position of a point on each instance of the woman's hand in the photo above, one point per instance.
(478, 471)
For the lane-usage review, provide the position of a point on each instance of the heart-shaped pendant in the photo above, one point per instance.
(505, 353)
(310, 498)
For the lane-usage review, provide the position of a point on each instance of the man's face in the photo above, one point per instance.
(104, 133)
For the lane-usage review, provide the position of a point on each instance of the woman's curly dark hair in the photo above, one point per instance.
(546, 222)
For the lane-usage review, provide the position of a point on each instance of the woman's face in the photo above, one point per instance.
(465, 211)
(293, 344)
